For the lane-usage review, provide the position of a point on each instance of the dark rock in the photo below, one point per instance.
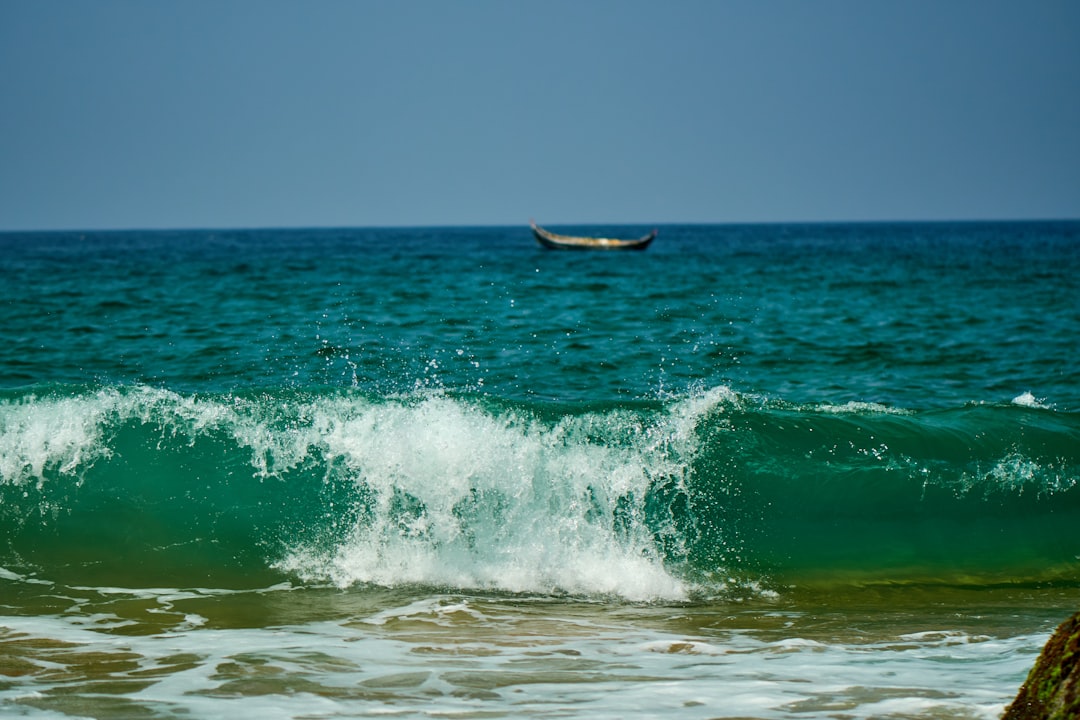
(1052, 688)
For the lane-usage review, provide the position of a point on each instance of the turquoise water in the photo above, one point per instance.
(756, 471)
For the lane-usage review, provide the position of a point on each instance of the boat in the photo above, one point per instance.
(555, 241)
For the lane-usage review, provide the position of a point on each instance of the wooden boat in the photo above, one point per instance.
(555, 241)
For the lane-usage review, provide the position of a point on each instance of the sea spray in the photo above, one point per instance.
(427, 489)
(460, 497)
(665, 499)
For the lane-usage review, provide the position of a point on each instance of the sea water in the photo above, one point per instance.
(767, 471)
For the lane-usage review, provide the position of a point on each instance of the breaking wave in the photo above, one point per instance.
(641, 500)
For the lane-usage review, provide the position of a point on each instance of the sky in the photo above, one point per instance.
(125, 114)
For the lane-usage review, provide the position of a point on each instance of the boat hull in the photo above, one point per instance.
(554, 241)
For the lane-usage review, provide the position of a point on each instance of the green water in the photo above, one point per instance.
(754, 471)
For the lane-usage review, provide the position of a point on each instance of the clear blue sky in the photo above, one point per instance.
(237, 113)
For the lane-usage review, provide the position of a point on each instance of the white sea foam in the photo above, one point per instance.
(1026, 399)
(60, 434)
(861, 408)
(41, 437)
(461, 495)
(442, 655)
(468, 498)
(10, 576)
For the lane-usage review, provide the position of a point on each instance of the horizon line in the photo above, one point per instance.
(525, 224)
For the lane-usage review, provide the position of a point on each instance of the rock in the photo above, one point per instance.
(1052, 688)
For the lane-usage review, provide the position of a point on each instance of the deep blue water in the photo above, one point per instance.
(912, 315)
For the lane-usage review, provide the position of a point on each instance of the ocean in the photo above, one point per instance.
(756, 471)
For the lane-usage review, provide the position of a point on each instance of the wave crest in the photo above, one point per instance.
(638, 500)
